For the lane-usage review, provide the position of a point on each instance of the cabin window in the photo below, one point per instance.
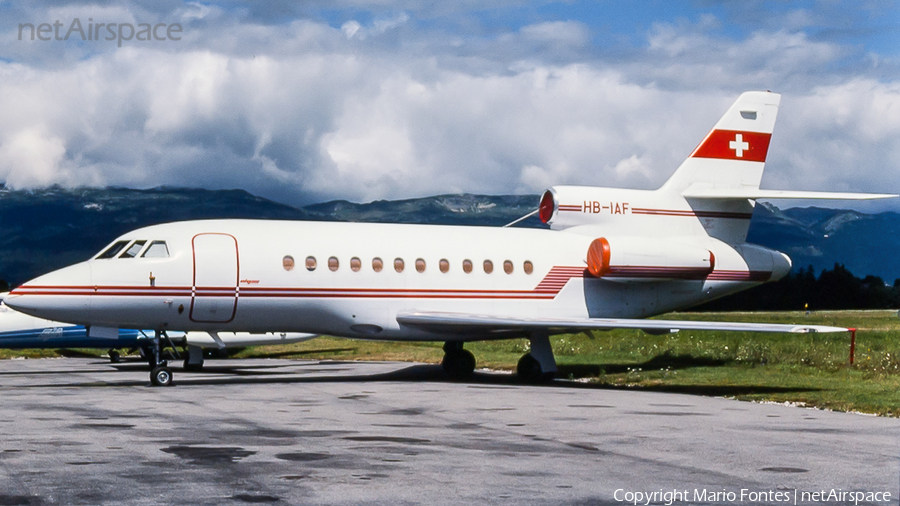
(444, 264)
(507, 267)
(157, 249)
(377, 264)
(333, 264)
(528, 267)
(113, 250)
(355, 264)
(133, 250)
(467, 266)
(398, 264)
(420, 265)
(288, 263)
(310, 263)
(488, 267)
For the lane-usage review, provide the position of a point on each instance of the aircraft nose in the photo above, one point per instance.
(62, 295)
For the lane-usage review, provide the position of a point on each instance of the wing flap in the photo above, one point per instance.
(449, 322)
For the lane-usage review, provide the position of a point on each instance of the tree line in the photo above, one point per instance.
(837, 288)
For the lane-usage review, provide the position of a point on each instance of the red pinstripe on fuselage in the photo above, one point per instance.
(547, 277)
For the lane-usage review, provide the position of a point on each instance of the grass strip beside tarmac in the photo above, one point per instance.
(807, 369)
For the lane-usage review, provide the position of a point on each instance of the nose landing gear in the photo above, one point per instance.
(160, 374)
(161, 377)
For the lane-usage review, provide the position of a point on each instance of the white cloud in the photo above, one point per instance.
(31, 157)
(303, 111)
(565, 32)
(379, 26)
(840, 137)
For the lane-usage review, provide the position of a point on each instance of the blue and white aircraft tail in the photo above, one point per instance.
(21, 331)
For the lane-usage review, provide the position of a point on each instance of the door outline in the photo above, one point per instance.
(224, 291)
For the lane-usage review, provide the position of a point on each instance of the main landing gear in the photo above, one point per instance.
(458, 362)
(160, 374)
(538, 366)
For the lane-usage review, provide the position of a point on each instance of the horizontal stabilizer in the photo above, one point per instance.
(454, 322)
(756, 193)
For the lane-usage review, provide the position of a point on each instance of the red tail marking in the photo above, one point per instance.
(734, 145)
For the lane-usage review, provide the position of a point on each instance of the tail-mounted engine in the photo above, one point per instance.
(641, 259)
(638, 259)
(569, 206)
(619, 212)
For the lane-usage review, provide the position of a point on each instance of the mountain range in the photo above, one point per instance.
(42, 230)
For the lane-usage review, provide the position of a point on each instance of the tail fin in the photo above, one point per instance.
(720, 180)
(733, 154)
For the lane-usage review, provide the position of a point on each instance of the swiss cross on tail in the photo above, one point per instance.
(734, 145)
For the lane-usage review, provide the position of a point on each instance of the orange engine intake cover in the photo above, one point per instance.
(598, 257)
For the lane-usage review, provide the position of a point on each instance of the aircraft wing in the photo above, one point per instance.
(457, 322)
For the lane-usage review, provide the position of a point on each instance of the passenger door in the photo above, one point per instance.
(214, 295)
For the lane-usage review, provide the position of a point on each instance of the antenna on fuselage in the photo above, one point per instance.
(529, 215)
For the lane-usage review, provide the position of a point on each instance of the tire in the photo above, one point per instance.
(114, 357)
(459, 364)
(529, 369)
(161, 377)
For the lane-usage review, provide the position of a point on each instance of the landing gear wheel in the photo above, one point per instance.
(529, 370)
(161, 377)
(114, 356)
(459, 364)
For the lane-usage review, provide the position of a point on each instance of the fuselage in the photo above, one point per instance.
(352, 279)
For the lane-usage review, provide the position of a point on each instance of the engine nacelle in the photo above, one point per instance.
(570, 206)
(644, 259)
(616, 212)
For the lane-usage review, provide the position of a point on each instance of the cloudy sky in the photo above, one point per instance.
(303, 102)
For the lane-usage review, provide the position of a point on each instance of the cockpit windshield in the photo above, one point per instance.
(157, 249)
(133, 250)
(129, 249)
(113, 250)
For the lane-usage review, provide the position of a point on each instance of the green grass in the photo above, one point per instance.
(808, 369)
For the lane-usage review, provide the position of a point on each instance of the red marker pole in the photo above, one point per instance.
(852, 344)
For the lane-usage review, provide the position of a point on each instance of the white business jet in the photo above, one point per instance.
(611, 258)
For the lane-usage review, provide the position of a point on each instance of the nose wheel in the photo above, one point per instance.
(161, 377)
(160, 374)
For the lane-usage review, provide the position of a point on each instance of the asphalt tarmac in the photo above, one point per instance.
(83, 431)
